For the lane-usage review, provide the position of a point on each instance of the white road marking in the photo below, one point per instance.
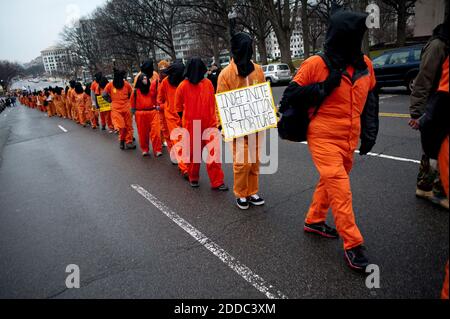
(246, 273)
(63, 129)
(383, 97)
(395, 158)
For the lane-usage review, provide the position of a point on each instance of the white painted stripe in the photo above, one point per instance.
(383, 97)
(395, 158)
(246, 273)
(63, 129)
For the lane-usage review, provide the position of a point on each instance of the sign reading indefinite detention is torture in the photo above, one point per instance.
(246, 111)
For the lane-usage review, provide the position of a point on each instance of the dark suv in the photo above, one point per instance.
(398, 67)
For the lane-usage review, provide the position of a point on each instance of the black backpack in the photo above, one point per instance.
(294, 122)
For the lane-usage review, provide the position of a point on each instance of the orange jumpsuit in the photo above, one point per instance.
(443, 161)
(198, 104)
(147, 119)
(333, 137)
(105, 117)
(246, 160)
(82, 103)
(166, 99)
(120, 110)
(59, 105)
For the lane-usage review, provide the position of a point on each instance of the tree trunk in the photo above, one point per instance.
(216, 51)
(262, 49)
(284, 41)
(402, 18)
(305, 27)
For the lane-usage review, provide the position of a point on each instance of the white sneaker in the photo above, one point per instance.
(256, 200)
(165, 144)
(159, 154)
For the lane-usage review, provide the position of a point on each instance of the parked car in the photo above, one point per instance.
(277, 73)
(398, 67)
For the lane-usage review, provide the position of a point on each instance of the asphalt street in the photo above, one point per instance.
(67, 198)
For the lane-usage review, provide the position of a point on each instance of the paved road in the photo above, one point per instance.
(66, 198)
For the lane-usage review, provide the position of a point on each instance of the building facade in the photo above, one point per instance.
(429, 14)
(273, 48)
(56, 59)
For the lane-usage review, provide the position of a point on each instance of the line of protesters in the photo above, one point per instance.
(177, 103)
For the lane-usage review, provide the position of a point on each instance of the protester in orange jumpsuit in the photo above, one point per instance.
(91, 111)
(48, 103)
(68, 106)
(165, 131)
(240, 73)
(194, 99)
(166, 100)
(119, 93)
(348, 110)
(82, 102)
(58, 99)
(145, 109)
(70, 100)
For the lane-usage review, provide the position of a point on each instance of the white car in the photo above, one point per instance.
(277, 73)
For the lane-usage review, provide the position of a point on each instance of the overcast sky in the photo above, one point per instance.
(29, 26)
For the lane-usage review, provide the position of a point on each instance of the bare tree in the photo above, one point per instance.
(283, 17)
(8, 71)
(404, 9)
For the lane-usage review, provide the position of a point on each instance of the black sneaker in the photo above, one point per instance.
(131, 146)
(195, 184)
(356, 258)
(321, 229)
(242, 203)
(222, 188)
(122, 145)
(256, 200)
(104, 128)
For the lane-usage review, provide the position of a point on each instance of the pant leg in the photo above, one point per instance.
(214, 165)
(81, 115)
(175, 147)
(165, 134)
(246, 166)
(102, 119)
(241, 167)
(320, 206)
(109, 121)
(155, 130)
(143, 127)
(443, 161)
(119, 124)
(128, 118)
(334, 165)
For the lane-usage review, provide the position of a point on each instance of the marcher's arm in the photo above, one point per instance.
(432, 60)
(370, 123)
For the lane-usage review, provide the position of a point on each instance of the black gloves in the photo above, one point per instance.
(333, 81)
(366, 147)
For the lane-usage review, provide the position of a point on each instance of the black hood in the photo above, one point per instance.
(79, 88)
(140, 86)
(87, 90)
(175, 73)
(103, 82)
(72, 84)
(195, 70)
(441, 32)
(344, 39)
(98, 77)
(118, 80)
(147, 67)
(242, 53)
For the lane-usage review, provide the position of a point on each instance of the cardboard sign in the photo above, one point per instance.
(246, 111)
(102, 104)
